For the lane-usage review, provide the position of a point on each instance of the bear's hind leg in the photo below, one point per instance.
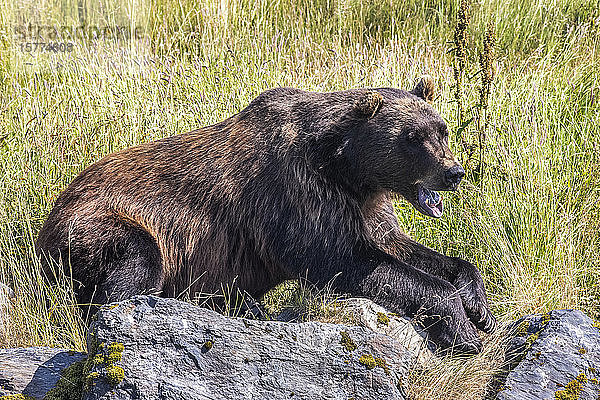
(131, 262)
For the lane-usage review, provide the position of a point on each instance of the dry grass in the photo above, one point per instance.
(465, 378)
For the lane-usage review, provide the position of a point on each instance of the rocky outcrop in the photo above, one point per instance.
(155, 348)
(371, 315)
(553, 356)
(33, 371)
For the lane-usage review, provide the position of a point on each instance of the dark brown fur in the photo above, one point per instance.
(298, 183)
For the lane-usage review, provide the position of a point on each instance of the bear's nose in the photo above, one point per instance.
(454, 175)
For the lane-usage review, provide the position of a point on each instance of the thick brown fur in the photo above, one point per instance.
(296, 184)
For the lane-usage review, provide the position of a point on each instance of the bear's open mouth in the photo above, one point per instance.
(430, 202)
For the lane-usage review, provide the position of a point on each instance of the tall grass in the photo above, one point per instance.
(529, 222)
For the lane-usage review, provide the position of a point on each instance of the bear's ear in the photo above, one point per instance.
(368, 104)
(425, 89)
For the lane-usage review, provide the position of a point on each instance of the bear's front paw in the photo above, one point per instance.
(479, 313)
(450, 329)
(458, 338)
(472, 293)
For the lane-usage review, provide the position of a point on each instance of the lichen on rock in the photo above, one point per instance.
(382, 364)
(383, 319)
(369, 361)
(168, 338)
(531, 339)
(553, 358)
(347, 341)
(572, 389)
(522, 328)
(114, 374)
(109, 355)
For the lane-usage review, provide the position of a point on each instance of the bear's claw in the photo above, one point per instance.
(472, 293)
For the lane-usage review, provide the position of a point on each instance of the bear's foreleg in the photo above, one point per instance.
(432, 301)
(461, 274)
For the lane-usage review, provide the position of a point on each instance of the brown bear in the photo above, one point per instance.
(296, 184)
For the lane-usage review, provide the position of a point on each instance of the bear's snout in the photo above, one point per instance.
(454, 175)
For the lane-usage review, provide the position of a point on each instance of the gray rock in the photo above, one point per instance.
(33, 371)
(555, 355)
(174, 350)
(6, 293)
(7, 297)
(378, 319)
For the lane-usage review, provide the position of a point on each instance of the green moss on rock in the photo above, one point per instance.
(347, 342)
(71, 383)
(16, 397)
(103, 365)
(114, 374)
(368, 361)
(572, 389)
(78, 377)
(371, 362)
(383, 319)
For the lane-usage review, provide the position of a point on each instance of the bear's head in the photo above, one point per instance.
(400, 143)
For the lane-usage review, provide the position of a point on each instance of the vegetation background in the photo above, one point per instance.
(527, 213)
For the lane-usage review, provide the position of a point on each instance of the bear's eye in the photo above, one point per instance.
(443, 136)
(412, 137)
(444, 133)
